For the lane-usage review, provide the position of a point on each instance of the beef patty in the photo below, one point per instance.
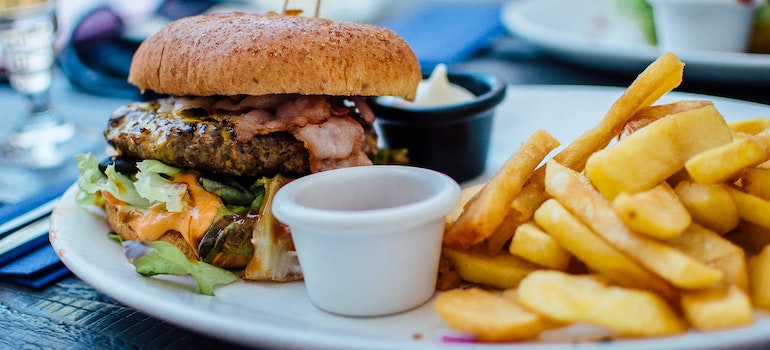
(196, 140)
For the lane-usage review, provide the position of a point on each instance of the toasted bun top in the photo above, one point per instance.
(237, 53)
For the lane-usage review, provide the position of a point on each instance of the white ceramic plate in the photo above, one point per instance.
(591, 33)
(281, 315)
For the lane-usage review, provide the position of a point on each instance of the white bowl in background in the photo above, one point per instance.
(715, 25)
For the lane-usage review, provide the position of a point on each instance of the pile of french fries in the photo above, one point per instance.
(653, 223)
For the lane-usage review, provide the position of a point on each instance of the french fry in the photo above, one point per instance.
(651, 155)
(661, 76)
(709, 205)
(751, 208)
(503, 233)
(465, 196)
(759, 271)
(649, 260)
(488, 208)
(740, 135)
(717, 308)
(574, 191)
(476, 265)
(647, 115)
(569, 298)
(490, 316)
(750, 126)
(657, 212)
(724, 163)
(536, 246)
(599, 256)
(756, 181)
(711, 249)
(531, 196)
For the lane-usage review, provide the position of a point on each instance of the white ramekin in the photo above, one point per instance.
(368, 238)
(715, 25)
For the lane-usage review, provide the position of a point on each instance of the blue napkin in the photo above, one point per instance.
(34, 264)
(38, 268)
(447, 31)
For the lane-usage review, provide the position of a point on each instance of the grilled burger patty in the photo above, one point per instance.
(204, 138)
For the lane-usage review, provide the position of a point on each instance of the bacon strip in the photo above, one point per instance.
(334, 144)
(364, 109)
(288, 116)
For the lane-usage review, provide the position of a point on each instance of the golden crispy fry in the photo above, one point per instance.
(750, 126)
(660, 77)
(759, 271)
(664, 259)
(531, 196)
(647, 115)
(488, 208)
(651, 155)
(756, 181)
(713, 250)
(574, 191)
(751, 208)
(717, 308)
(709, 205)
(599, 256)
(503, 233)
(657, 212)
(489, 316)
(534, 245)
(569, 298)
(465, 196)
(476, 265)
(725, 163)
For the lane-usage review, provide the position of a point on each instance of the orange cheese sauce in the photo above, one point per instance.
(191, 223)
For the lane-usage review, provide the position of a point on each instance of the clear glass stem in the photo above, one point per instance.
(39, 113)
(39, 102)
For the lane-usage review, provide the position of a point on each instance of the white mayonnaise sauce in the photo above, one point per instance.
(432, 92)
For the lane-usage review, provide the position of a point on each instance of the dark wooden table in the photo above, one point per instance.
(70, 314)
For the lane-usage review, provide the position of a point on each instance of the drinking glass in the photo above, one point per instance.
(42, 138)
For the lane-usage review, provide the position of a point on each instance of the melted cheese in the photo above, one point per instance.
(191, 223)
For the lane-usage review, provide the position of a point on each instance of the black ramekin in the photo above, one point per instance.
(452, 139)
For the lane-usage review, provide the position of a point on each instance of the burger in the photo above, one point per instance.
(245, 103)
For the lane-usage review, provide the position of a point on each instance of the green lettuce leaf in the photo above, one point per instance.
(122, 187)
(153, 184)
(91, 180)
(160, 257)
